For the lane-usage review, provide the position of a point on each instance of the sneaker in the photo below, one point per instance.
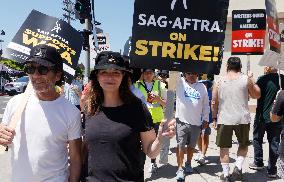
(256, 167)
(201, 160)
(180, 175)
(225, 179)
(237, 174)
(153, 168)
(188, 168)
(197, 157)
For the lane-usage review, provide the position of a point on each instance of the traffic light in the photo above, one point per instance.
(83, 10)
(86, 38)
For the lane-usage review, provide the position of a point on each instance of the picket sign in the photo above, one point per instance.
(17, 115)
(169, 112)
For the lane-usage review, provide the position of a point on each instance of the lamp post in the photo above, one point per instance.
(1, 51)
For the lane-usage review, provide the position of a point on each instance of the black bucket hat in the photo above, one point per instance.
(46, 56)
(111, 60)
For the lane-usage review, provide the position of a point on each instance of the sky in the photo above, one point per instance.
(115, 16)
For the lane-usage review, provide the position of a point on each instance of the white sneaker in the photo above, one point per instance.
(197, 157)
(201, 160)
(153, 168)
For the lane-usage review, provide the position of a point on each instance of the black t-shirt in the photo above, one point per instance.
(113, 137)
(278, 109)
(269, 86)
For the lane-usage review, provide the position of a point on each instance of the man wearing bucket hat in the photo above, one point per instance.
(119, 128)
(47, 124)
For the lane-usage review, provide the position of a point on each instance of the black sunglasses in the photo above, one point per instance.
(42, 70)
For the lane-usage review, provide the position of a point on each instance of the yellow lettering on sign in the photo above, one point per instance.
(205, 53)
(155, 45)
(178, 36)
(180, 50)
(33, 41)
(66, 55)
(189, 51)
(168, 49)
(141, 45)
(177, 50)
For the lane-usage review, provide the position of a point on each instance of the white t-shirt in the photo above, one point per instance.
(39, 151)
(192, 102)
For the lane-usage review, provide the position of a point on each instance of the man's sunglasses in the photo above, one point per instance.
(42, 70)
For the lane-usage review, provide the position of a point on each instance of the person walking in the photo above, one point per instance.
(119, 127)
(73, 91)
(48, 123)
(203, 140)
(230, 111)
(276, 115)
(154, 92)
(192, 104)
(269, 85)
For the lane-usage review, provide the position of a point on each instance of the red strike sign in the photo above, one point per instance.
(245, 41)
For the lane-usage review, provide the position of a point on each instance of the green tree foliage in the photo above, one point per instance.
(13, 64)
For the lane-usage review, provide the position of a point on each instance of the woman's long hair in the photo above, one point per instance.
(96, 94)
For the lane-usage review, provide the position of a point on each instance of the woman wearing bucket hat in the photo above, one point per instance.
(119, 128)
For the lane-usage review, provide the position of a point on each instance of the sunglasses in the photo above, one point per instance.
(42, 70)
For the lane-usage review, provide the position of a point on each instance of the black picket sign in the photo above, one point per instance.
(38, 29)
(179, 35)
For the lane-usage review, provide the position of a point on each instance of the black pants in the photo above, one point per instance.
(273, 131)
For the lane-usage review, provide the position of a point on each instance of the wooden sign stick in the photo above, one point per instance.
(17, 115)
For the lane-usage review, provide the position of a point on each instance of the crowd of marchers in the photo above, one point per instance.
(104, 130)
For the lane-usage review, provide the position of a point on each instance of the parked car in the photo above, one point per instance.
(19, 86)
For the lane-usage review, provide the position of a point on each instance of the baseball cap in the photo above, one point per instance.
(46, 56)
(110, 60)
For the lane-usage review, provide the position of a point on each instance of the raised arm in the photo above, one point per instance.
(253, 89)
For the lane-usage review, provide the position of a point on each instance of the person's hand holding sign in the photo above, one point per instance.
(6, 135)
(167, 128)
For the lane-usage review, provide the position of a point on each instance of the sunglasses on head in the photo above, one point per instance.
(42, 70)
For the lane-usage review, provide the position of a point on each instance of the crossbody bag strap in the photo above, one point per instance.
(15, 119)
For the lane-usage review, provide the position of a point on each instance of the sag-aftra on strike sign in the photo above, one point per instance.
(248, 32)
(183, 35)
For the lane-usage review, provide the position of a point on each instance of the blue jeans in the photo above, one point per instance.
(273, 131)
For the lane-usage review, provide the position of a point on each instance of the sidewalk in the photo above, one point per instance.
(209, 172)
(212, 170)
